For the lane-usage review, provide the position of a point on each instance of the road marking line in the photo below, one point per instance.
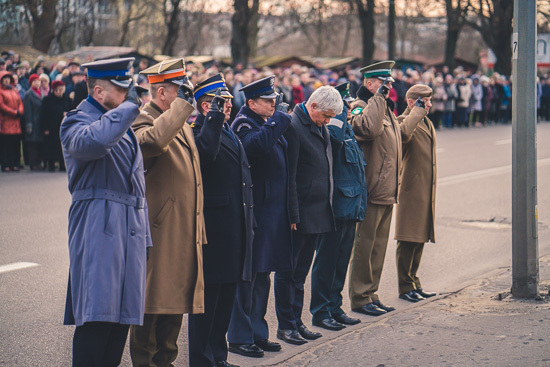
(503, 142)
(444, 181)
(16, 266)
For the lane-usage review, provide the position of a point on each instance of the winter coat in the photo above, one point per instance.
(228, 203)
(266, 149)
(439, 98)
(11, 108)
(379, 136)
(349, 200)
(175, 283)
(310, 174)
(108, 223)
(415, 212)
(33, 106)
(51, 116)
(464, 94)
(476, 97)
(452, 95)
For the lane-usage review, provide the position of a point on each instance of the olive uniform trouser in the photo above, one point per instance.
(155, 343)
(408, 255)
(369, 253)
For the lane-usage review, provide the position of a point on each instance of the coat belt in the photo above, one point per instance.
(119, 197)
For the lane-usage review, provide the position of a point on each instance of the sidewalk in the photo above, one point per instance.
(470, 327)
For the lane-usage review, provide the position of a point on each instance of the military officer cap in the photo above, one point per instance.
(419, 90)
(380, 70)
(263, 88)
(209, 86)
(343, 89)
(166, 71)
(117, 71)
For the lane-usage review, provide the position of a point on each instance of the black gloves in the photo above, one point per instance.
(420, 103)
(280, 105)
(217, 103)
(384, 89)
(133, 94)
(185, 91)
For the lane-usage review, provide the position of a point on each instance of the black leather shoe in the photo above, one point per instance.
(345, 319)
(370, 309)
(425, 294)
(330, 324)
(225, 364)
(268, 346)
(411, 296)
(290, 336)
(385, 308)
(308, 334)
(247, 350)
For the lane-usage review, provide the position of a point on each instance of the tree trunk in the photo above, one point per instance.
(498, 35)
(172, 29)
(391, 30)
(44, 26)
(366, 20)
(244, 37)
(455, 21)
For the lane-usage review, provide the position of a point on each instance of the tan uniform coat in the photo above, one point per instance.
(175, 282)
(378, 133)
(414, 220)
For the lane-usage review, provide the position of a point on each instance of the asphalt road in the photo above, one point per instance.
(473, 234)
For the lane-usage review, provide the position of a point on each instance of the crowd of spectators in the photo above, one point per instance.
(47, 91)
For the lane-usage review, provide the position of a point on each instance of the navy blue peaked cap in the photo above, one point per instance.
(263, 88)
(117, 71)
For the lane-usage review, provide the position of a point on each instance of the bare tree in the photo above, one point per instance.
(365, 12)
(244, 36)
(456, 12)
(172, 16)
(131, 12)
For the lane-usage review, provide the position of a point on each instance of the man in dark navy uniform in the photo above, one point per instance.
(260, 125)
(229, 219)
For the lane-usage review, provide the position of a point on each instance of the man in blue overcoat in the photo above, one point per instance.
(310, 205)
(349, 202)
(229, 221)
(260, 128)
(108, 223)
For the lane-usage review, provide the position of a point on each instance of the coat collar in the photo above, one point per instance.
(365, 94)
(304, 118)
(247, 113)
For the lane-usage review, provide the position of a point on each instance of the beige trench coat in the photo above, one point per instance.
(415, 212)
(175, 282)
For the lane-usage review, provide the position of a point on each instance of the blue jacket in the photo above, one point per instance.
(266, 149)
(349, 200)
(108, 222)
(228, 203)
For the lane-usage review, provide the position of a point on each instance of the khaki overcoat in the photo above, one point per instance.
(415, 212)
(175, 282)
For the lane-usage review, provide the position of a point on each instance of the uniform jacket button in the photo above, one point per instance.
(132, 233)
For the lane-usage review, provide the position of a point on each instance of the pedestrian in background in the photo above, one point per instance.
(34, 133)
(54, 108)
(450, 102)
(476, 101)
(415, 210)
(439, 99)
(463, 102)
(11, 110)
(173, 183)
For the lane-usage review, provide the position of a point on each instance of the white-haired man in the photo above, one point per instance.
(310, 206)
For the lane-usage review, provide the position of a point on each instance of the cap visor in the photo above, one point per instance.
(390, 79)
(122, 83)
(226, 94)
(269, 96)
(348, 99)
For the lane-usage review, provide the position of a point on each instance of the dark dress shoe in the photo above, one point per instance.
(247, 350)
(385, 308)
(330, 324)
(268, 346)
(411, 296)
(345, 319)
(308, 334)
(225, 364)
(425, 294)
(370, 309)
(291, 337)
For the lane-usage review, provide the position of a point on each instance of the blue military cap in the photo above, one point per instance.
(208, 87)
(263, 88)
(117, 71)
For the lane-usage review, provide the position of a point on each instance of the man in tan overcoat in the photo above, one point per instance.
(416, 202)
(174, 193)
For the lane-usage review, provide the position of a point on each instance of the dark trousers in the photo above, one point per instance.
(207, 343)
(248, 317)
(35, 154)
(99, 344)
(329, 270)
(408, 255)
(289, 285)
(10, 154)
(447, 119)
(155, 343)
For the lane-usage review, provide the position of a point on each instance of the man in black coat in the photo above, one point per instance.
(229, 219)
(310, 204)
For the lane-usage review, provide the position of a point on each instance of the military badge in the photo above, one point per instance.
(356, 111)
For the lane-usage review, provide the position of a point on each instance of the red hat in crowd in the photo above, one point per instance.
(57, 83)
(33, 77)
